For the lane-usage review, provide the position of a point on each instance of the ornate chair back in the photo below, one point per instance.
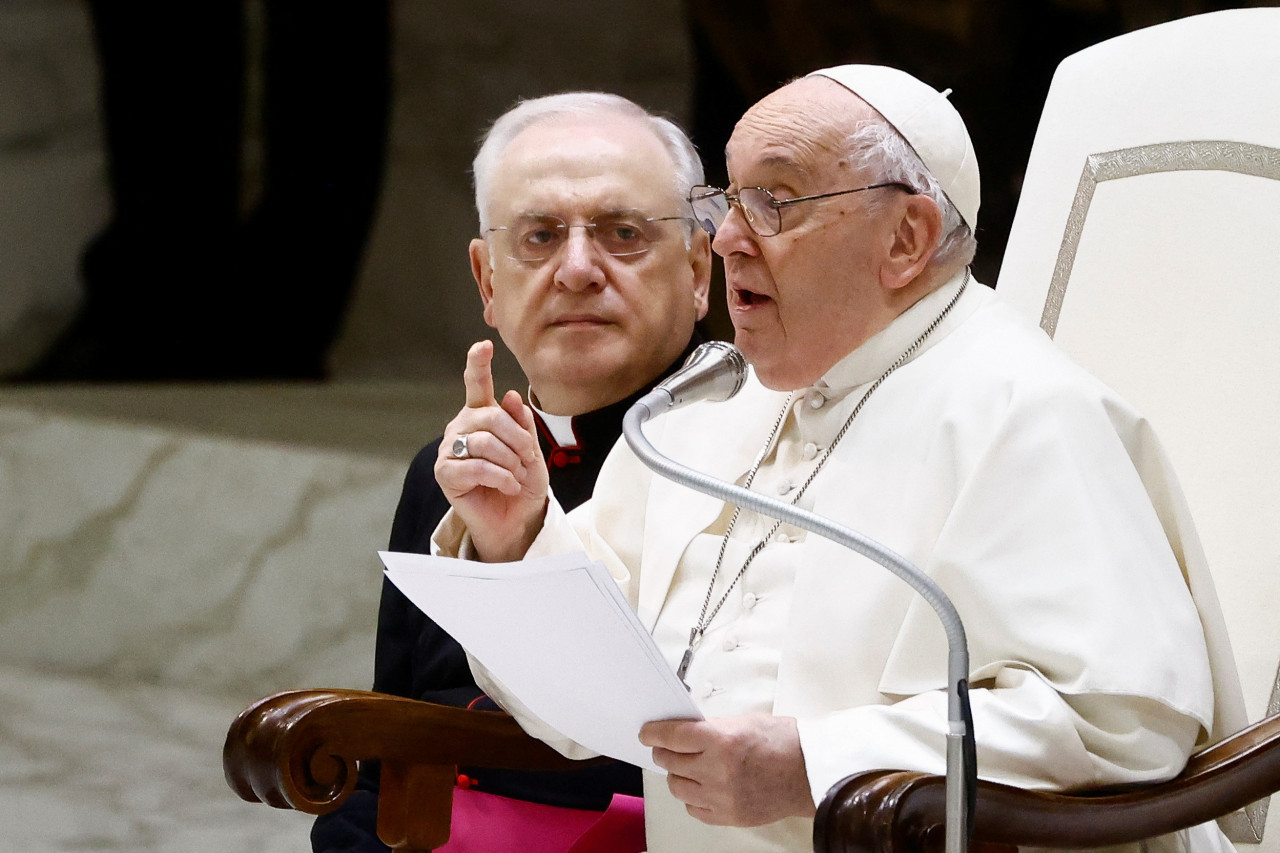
(1147, 244)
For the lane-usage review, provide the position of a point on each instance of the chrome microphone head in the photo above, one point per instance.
(714, 372)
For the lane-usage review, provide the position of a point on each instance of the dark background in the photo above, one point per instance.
(218, 189)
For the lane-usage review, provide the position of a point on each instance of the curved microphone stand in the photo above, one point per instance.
(715, 372)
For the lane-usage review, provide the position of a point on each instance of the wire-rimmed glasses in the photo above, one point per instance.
(534, 238)
(757, 205)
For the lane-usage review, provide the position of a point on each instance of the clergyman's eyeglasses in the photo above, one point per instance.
(535, 237)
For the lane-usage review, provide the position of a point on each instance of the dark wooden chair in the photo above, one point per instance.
(891, 810)
(299, 750)
(1155, 152)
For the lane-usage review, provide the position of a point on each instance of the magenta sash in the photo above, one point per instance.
(487, 823)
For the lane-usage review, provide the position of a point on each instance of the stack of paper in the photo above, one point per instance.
(559, 635)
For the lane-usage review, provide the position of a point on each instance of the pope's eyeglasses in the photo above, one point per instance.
(757, 205)
(535, 238)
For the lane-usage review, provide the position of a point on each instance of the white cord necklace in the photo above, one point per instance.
(704, 618)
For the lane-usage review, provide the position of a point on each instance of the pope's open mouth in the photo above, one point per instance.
(747, 298)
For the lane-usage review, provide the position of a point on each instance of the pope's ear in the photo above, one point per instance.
(482, 272)
(915, 239)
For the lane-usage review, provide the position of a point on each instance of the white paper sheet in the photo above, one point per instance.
(558, 633)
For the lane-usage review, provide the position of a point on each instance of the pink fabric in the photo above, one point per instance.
(620, 830)
(487, 823)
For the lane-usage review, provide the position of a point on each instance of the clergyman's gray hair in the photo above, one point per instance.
(688, 167)
(877, 147)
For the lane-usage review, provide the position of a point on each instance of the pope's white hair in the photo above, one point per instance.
(687, 167)
(877, 147)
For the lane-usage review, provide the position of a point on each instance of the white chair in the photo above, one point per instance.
(1147, 243)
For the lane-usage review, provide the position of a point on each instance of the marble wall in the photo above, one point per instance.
(153, 581)
(87, 764)
(152, 555)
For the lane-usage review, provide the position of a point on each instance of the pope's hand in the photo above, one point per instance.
(498, 487)
(733, 771)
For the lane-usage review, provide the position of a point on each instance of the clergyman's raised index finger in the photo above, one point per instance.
(478, 375)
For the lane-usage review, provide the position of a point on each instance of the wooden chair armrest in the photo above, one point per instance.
(890, 811)
(299, 750)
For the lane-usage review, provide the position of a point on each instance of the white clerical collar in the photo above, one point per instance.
(868, 361)
(560, 426)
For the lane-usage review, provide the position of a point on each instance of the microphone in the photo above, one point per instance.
(714, 372)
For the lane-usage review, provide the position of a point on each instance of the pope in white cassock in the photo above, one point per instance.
(896, 395)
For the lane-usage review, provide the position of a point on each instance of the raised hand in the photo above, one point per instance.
(499, 486)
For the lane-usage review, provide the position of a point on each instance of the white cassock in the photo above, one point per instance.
(1035, 497)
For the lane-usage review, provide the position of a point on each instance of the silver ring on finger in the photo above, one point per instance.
(459, 448)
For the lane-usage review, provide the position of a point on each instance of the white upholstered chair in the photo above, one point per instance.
(1147, 243)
